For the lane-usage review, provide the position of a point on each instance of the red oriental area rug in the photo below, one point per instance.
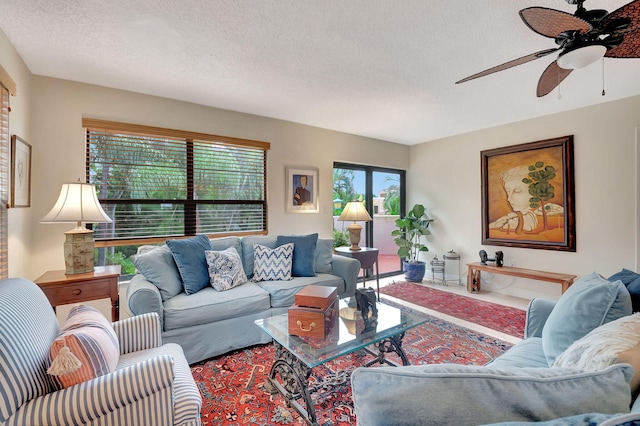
(491, 315)
(233, 391)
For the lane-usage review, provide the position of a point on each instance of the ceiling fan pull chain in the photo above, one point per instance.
(559, 81)
(603, 77)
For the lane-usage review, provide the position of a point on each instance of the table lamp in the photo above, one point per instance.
(77, 203)
(354, 210)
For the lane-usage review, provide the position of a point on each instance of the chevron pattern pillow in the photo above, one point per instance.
(272, 264)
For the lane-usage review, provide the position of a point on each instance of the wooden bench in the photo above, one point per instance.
(473, 276)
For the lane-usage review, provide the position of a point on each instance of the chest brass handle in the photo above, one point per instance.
(299, 324)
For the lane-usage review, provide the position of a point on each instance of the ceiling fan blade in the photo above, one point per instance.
(552, 76)
(630, 46)
(551, 22)
(510, 64)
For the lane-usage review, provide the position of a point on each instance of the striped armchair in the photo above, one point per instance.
(152, 383)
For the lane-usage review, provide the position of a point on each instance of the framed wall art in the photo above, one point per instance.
(528, 195)
(20, 173)
(302, 190)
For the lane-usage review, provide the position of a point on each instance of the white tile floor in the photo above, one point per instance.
(461, 290)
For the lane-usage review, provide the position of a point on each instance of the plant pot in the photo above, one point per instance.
(413, 271)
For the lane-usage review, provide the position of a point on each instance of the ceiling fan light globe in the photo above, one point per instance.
(581, 57)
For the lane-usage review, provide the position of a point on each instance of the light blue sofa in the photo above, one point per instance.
(210, 323)
(520, 386)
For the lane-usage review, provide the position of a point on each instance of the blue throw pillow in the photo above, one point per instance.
(631, 280)
(159, 268)
(192, 262)
(587, 304)
(304, 248)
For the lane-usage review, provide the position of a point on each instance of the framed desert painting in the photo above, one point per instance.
(528, 195)
(302, 190)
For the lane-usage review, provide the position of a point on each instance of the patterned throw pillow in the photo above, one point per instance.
(86, 348)
(272, 264)
(225, 269)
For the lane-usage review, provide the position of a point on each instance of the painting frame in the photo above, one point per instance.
(302, 190)
(20, 173)
(548, 222)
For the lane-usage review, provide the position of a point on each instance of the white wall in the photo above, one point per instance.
(59, 153)
(445, 176)
(20, 123)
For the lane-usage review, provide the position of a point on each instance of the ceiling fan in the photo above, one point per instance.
(582, 39)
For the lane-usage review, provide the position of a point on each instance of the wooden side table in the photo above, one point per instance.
(367, 257)
(63, 289)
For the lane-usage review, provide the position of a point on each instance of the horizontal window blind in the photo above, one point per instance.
(4, 179)
(174, 183)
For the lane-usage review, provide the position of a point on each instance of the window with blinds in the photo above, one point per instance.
(157, 183)
(4, 181)
(7, 89)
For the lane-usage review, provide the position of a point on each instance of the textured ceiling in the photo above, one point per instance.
(377, 68)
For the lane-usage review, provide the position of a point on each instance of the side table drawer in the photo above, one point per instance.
(78, 292)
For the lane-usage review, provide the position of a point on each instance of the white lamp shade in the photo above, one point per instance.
(77, 203)
(354, 210)
(581, 57)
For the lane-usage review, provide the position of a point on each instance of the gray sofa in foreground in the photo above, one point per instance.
(579, 364)
(209, 322)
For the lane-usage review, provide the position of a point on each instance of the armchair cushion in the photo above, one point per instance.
(90, 343)
(588, 303)
(471, 395)
(631, 280)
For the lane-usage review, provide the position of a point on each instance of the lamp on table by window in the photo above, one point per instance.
(77, 203)
(354, 210)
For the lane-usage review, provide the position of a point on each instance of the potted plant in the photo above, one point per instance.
(340, 238)
(408, 238)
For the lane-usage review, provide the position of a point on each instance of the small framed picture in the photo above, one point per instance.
(302, 190)
(20, 173)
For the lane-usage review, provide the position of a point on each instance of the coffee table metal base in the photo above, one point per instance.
(290, 377)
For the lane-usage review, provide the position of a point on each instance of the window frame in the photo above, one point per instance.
(190, 138)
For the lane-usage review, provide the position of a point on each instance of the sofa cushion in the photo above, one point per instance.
(211, 306)
(86, 347)
(323, 256)
(247, 250)
(525, 353)
(272, 264)
(304, 248)
(283, 292)
(602, 346)
(472, 395)
(588, 303)
(631, 280)
(219, 244)
(225, 269)
(159, 268)
(192, 264)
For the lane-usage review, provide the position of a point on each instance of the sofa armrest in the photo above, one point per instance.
(143, 297)
(346, 268)
(95, 401)
(138, 333)
(537, 313)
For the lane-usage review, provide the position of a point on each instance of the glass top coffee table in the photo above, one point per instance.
(296, 356)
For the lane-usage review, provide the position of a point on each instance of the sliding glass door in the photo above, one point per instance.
(383, 192)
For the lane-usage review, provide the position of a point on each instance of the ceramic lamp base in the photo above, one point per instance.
(354, 236)
(78, 251)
